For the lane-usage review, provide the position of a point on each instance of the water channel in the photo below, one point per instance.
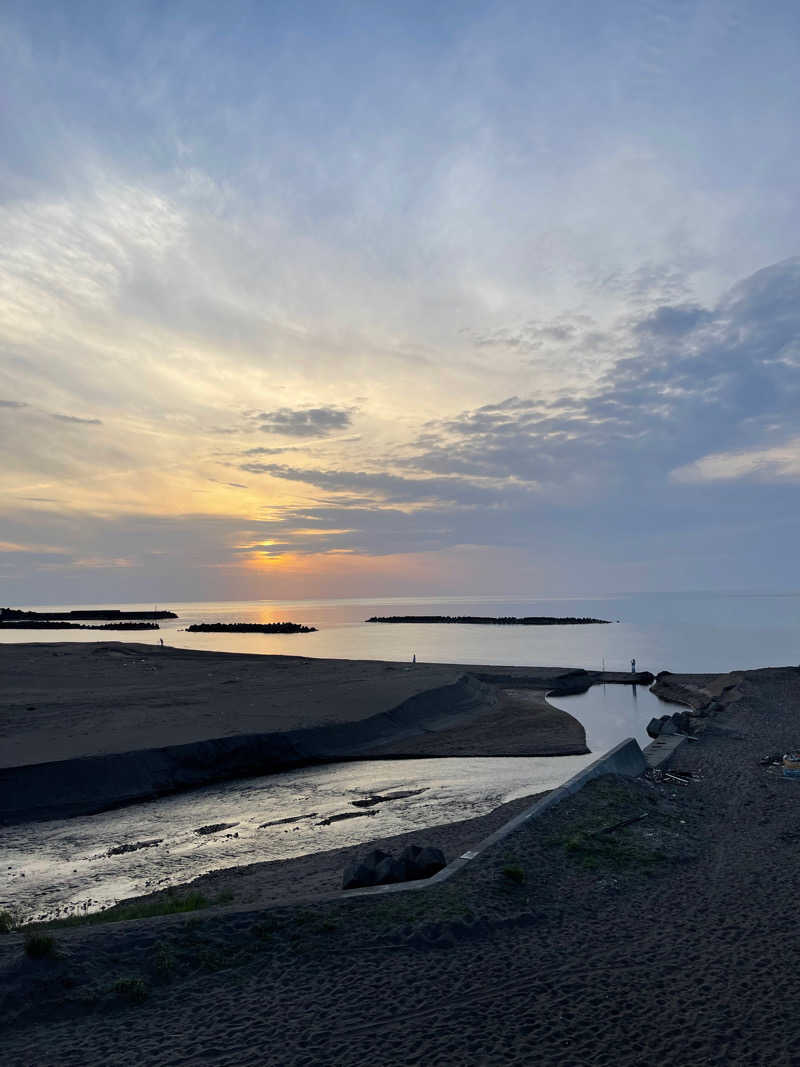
(84, 864)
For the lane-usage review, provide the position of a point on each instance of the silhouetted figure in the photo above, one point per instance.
(161, 639)
(633, 666)
(413, 657)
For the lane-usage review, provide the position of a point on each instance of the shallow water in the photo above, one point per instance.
(63, 866)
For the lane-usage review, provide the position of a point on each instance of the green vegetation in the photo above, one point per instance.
(265, 929)
(169, 903)
(164, 960)
(132, 989)
(40, 946)
(611, 851)
(514, 873)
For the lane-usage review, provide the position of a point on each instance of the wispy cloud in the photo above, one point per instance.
(304, 422)
(76, 419)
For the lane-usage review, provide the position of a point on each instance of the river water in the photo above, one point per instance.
(69, 865)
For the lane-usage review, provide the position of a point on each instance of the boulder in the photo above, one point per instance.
(654, 728)
(363, 870)
(668, 728)
(380, 868)
(422, 862)
(390, 870)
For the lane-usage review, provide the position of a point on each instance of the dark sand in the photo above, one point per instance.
(62, 701)
(672, 941)
(84, 727)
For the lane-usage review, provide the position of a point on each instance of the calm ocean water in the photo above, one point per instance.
(700, 632)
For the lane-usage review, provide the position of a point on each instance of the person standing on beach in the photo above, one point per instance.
(633, 666)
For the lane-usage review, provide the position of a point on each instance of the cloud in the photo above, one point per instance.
(688, 380)
(269, 451)
(393, 488)
(777, 464)
(12, 404)
(305, 422)
(76, 419)
(689, 386)
(675, 321)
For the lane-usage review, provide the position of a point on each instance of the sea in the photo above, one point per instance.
(71, 866)
(682, 632)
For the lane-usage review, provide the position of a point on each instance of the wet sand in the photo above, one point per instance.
(669, 940)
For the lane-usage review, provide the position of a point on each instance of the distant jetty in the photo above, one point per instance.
(8, 615)
(57, 624)
(249, 628)
(487, 620)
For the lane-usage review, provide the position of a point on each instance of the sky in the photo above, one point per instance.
(371, 299)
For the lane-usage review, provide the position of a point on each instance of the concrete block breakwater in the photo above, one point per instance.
(250, 628)
(488, 620)
(95, 614)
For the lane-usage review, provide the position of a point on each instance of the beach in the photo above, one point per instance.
(85, 727)
(668, 939)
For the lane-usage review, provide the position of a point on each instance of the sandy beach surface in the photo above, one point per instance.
(62, 701)
(670, 940)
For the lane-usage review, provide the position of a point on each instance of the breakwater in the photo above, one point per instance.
(488, 620)
(8, 615)
(249, 628)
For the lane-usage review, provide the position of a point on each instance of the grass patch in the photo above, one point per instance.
(40, 946)
(611, 852)
(168, 903)
(131, 989)
(163, 960)
(265, 929)
(7, 923)
(514, 873)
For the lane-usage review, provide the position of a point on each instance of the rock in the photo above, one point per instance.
(363, 870)
(390, 870)
(668, 728)
(654, 728)
(380, 868)
(422, 862)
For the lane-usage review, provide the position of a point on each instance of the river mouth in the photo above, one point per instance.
(84, 864)
(611, 712)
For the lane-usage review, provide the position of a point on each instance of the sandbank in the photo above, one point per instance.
(85, 727)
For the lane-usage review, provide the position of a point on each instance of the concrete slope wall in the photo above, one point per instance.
(625, 759)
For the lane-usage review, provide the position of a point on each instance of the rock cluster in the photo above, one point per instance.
(679, 723)
(381, 868)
